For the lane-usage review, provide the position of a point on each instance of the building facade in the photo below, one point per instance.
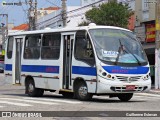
(75, 15)
(45, 11)
(145, 13)
(87, 2)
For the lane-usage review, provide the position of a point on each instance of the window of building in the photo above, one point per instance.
(32, 47)
(83, 48)
(10, 47)
(146, 5)
(51, 46)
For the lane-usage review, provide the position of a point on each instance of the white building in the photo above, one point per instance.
(45, 11)
(75, 15)
(131, 3)
(87, 2)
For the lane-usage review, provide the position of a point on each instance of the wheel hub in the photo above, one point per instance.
(83, 91)
(30, 88)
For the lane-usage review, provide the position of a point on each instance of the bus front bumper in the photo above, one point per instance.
(110, 86)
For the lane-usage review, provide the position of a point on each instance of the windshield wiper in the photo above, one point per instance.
(139, 63)
(121, 48)
(119, 52)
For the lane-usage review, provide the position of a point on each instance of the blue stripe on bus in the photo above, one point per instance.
(40, 68)
(8, 67)
(126, 70)
(84, 70)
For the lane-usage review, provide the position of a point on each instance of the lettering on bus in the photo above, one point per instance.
(51, 70)
(119, 71)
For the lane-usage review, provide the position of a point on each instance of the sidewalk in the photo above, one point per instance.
(154, 91)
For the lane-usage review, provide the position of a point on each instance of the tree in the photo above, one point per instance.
(112, 14)
(84, 23)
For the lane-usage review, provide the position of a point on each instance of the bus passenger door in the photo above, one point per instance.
(17, 62)
(9, 61)
(67, 60)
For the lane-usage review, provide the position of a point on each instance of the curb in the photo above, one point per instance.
(154, 91)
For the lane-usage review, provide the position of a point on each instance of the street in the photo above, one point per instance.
(12, 98)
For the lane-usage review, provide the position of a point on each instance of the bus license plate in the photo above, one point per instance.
(130, 87)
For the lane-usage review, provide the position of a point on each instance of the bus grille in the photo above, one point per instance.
(128, 79)
(123, 89)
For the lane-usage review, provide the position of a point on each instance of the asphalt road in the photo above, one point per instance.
(12, 98)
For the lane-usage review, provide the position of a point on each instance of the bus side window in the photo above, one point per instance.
(32, 47)
(10, 47)
(51, 46)
(27, 53)
(83, 48)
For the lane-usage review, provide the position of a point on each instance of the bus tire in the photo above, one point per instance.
(40, 92)
(81, 92)
(32, 91)
(124, 97)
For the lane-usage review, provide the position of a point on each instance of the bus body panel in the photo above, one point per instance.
(120, 80)
(49, 74)
(9, 65)
(44, 72)
(86, 72)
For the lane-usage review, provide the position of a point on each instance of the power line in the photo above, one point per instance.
(5, 9)
(78, 9)
(25, 17)
(52, 3)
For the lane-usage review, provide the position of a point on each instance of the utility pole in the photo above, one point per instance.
(4, 29)
(64, 12)
(157, 50)
(32, 14)
(35, 13)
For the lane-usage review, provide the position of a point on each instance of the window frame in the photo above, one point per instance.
(11, 45)
(53, 47)
(90, 61)
(29, 35)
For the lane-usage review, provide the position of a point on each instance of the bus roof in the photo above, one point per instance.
(66, 29)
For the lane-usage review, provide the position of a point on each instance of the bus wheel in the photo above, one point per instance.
(32, 91)
(125, 96)
(82, 92)
(40, 92)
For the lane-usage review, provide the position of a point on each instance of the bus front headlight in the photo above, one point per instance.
(146, 77)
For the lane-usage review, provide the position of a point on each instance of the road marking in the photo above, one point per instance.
(1, 106)
(53, 100)
(14, 103)
(147, 94)
(30, 101)
(150, 98)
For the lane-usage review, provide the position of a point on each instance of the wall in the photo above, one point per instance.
(138, 12)
(75, 15)
(87, 2)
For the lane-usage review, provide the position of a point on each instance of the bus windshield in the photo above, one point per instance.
(117, 46)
